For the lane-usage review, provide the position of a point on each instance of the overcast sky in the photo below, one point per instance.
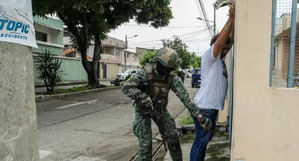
(184, 24)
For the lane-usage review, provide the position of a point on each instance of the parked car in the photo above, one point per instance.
(196, 78)
(189, 73)
(123, 76)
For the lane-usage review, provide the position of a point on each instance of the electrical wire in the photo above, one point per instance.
(174, 27)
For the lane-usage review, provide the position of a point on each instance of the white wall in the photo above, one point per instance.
(265, 121)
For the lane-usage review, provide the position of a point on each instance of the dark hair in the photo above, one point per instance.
(213, 40)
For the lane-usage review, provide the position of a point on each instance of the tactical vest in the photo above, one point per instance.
(159, 88)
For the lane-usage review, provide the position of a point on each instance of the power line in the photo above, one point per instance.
(181, 36)
(175, 27)
(202, 39)
(203, 10)
(195, 34)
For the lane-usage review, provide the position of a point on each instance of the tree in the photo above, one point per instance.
(147, 57)
(195, 61)
(181, 49)
(49, 70)
(91, 20)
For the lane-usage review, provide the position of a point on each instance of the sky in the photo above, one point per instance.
(184, 24)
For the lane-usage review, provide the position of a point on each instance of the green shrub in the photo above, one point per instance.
(48, 67)
(147, 58)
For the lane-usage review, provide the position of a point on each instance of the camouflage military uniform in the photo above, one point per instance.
(156, 93)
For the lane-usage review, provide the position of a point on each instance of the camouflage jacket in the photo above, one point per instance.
(130, 88)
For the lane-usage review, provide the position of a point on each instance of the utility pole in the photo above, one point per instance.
(18, 130)
(126, 49)
(214, 19)
(18, 121)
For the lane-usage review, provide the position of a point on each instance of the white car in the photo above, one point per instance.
(188, 73)
(124, 75)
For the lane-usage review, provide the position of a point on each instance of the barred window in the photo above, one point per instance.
(41, 36)
(284, 70)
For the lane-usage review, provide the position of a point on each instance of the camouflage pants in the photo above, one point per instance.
(142, 129)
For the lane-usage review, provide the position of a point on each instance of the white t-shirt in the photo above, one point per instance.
(214, 83)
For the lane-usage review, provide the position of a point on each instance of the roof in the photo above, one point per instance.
(68, 51)
(286, 31)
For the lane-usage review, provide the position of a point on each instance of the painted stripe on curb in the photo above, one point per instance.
(76, 104)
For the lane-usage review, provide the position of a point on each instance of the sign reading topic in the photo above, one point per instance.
(16, 22)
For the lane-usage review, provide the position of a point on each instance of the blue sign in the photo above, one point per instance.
(16, 23)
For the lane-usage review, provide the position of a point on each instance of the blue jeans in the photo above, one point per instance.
(202, 137)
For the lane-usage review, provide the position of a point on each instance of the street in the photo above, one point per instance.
(92, 127)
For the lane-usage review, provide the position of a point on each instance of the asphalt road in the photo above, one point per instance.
(92, 127)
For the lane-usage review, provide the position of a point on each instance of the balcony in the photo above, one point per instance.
(54, 48)
(108, 58)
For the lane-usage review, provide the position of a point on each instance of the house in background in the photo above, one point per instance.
(282, 46)
(49, 36)
(133, 60)
(113, 60)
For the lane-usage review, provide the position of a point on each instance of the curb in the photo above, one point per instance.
(41, 98)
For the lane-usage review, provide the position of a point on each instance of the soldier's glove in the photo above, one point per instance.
(146, 101)
(204, 122)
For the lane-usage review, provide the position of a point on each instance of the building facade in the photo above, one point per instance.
(49, 36)
(114, 59)
(111, 58)
(281, 50)
(264, 117)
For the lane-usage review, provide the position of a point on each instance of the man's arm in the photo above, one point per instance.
(130, 88)
(181, 92)
(225, 33)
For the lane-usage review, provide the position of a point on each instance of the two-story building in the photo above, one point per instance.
(49, 36)
(282, 46)
(114, 59)
(111, 58)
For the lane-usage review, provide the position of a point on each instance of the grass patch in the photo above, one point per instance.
(187, 120)
(77, 89)
(68, 90)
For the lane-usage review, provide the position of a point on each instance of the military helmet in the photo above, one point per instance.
(167, 57)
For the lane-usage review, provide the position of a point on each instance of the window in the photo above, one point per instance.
(41, 36)
(117, 51)
(284, 70)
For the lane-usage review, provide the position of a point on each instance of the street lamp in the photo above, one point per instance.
(126, 48)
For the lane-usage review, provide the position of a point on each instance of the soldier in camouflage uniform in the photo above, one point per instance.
(149, 90)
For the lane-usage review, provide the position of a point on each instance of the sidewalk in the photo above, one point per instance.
(218, 148)
(43, 89)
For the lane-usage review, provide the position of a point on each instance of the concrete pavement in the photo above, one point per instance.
(70, 85)
(91, 127)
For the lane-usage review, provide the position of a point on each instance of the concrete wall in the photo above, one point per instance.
(265, 121)
(112, 71)
(72, 68)
(18, 127)
(223, 115)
